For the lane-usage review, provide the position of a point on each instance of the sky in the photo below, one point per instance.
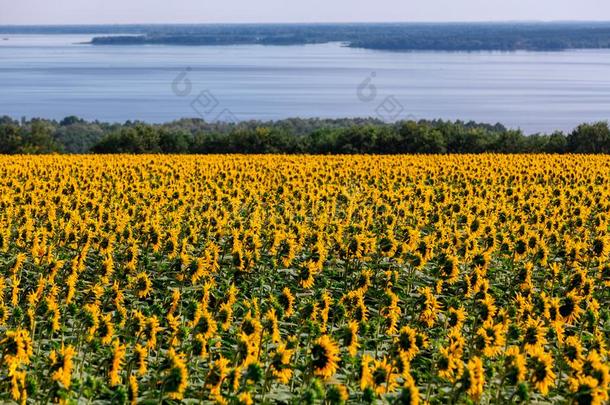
(267, 11)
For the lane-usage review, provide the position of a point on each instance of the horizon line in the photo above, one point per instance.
(311, 23)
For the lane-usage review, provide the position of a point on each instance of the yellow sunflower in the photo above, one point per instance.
(473, 378)
(325, 353)
(541, 364)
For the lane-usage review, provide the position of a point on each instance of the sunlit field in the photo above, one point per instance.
(275, 279)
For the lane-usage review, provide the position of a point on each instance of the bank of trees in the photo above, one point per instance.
(395, 36)
(313, 136)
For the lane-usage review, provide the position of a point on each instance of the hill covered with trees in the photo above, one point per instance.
(387, 36)
(405, 37)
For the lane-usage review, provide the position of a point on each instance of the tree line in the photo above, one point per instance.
(390, 36)
(291, 136)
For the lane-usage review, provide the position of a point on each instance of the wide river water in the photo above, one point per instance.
(55, 76)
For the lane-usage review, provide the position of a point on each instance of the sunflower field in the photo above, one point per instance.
(301, 279)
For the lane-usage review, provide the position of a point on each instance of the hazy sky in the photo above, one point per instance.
(214, 11)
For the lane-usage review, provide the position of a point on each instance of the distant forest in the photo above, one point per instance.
(387, 36)
(290, 136)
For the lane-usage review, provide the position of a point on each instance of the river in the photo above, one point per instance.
(53, 76)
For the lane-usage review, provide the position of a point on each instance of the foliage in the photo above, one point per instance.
(291, 136)
(396, 36)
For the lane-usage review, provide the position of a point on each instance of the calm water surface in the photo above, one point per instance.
(55, 76)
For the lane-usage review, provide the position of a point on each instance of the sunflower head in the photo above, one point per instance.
(383, 377)
(142, 285)
(325, 353)
(406, 342)
(572, 351)
(473, 378)
(540, 365)
(586, 390)
(515, 365)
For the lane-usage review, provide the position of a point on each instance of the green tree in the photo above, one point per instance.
(557, 143)
(39, 139)
(421, 138)
(10, 138)
(590, 138)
